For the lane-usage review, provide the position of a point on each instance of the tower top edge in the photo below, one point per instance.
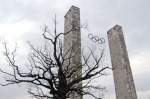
(115, 28)
(73, 8)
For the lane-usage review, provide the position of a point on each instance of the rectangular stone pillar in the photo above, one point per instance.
(72, 40)
(123, 79)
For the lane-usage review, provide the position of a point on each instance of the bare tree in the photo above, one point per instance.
(50, 70)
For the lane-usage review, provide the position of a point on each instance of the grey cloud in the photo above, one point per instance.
(24, 10)
(13, 92)
(134, 15)
(142, 81)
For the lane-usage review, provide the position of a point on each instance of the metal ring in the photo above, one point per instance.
(90, 36)
(96, 39)
(101, 41)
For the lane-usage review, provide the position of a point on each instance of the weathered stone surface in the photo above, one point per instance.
(123, 79)
(72, 38)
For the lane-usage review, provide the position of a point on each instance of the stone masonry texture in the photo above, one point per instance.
(72, 40)
(123, 79)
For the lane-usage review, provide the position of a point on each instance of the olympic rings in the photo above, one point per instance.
(96, 39)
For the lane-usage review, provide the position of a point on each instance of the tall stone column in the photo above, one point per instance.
(72, 40)
(123, 79)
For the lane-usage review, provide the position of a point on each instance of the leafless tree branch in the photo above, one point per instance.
(47, 70)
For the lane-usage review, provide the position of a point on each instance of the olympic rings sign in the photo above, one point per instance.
(96, 39)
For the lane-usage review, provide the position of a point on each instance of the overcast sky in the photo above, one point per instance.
(22, 21)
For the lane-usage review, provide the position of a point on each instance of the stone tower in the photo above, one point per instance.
(123, 79)
(72, 40)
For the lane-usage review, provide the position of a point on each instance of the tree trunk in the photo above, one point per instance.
(61, 97)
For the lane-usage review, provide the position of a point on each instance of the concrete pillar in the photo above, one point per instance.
(72, 38)
(123, 79)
